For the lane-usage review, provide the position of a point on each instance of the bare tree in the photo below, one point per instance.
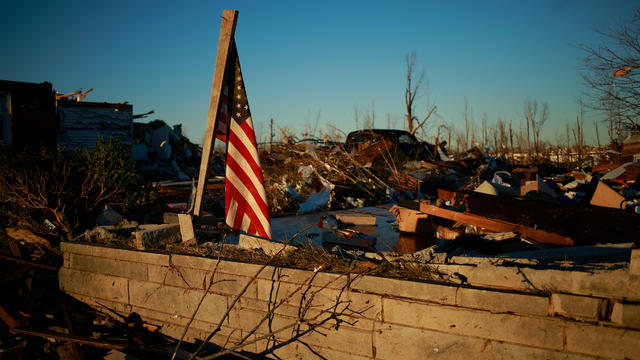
(535, 122)
(356, 112)
(484, 130)
(611, 74)
(369, 116)
(568, 144)
(578, 132)
(414, 85)
(511, 140)
(466, 123)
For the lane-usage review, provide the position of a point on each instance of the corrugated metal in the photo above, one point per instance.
(82, 124)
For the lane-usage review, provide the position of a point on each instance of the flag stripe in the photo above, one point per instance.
(245, 144)
(261, 230)
(252, 188)
(237, 153)
(240, 188)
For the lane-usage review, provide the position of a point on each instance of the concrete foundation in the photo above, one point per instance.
(495, 312)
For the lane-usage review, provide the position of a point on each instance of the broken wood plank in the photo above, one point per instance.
(15, 249)
(85, 340)
(32, 263)
(540, 236)
(8, 319)
(76, 351)
(586, 225)
(19, 233)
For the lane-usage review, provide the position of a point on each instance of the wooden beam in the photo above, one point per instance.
(586, 225)
(540, 236)
(87, 341)
(32, 263)
(8, 319)
(227, 29)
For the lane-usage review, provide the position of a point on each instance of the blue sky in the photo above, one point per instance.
(300, 58)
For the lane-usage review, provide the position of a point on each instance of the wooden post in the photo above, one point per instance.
(227, 29)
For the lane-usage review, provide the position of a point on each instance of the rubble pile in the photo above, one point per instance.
(163, 152)
(304, 178)
(338, 211)
(38, 321)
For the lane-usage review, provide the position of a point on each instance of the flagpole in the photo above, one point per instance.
(227, 30)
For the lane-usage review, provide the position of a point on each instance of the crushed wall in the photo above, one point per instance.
(82, 123)
(491, 312)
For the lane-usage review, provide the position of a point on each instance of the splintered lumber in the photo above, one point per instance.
(586, 225)
(8, 319)
(367, 153)
(32, 263)
(85, 340)
(537, 235)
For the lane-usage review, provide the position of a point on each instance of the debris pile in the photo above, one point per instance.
(163, 152)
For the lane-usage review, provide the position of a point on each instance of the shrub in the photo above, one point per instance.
(61, 192)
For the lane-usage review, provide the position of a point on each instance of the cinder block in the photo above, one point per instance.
(347, 318)
(357, 305)
(538, 332)
(195, 262)
(144, 257)
(228, 284)
(161, 318)
(634, 264)
(342, 339)
(179, 276)
(297, 276)
(626, 314)
(440, 293)
(351, 341)
(76, 248)
(497, 301)
(246, 320)
(66, 257)
(398, 342)
(186, 227)
(298, 350)
(126, 269)
(577, 307)
(243, 269)
(599, 283)
(275, 291)
(196, 335)
(97, 285)
(177, 301)
(602, 341)
(267, 246)
(106, 306)
(156, 235)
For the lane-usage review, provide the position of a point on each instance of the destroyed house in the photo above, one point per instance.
(30, 115)
(82, 123)
(27, 113)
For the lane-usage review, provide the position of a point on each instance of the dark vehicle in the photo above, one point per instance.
(401, 145)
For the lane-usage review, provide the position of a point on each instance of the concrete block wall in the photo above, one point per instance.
(491, 312)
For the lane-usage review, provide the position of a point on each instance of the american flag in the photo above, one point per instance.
(245, 198)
